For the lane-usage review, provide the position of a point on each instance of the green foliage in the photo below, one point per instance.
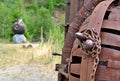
(9, 14)
(36, 15)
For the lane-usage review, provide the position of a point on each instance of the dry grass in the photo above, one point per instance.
(15, 54)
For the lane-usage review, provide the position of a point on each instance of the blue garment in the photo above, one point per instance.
(19, 38)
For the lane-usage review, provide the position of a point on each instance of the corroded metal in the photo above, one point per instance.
(79, 18)
(88, 73)
(109, 56)
(103, 42)
(80, 36)
(84, 10)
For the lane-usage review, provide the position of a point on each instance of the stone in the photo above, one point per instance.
(19, 27)
(19, 38)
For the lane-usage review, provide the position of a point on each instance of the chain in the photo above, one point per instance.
(96, 61)
(91, 34)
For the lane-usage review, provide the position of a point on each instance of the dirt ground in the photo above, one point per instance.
(27, 64)
(27, 73)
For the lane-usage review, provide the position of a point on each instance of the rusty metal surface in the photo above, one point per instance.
(83, 74)
(108, 70)
(107, 53)
(77, 52)
(74, 8)
(109, 63)
(115, 15)
(72, 78)
(111, 37)
(75, 69)
(110, 52)
(95, 22)
(115, 25)
(67, 14)
(74, 26)
(103, 72)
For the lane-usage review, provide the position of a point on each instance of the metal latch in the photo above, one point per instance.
(62, 69)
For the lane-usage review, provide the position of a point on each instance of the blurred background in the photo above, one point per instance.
(44, 20)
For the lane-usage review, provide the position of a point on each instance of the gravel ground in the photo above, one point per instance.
(27, 73)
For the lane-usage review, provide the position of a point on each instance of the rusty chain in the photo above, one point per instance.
(89, 38)
(91, 34)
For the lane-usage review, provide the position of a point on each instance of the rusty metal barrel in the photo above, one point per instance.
(108, 68)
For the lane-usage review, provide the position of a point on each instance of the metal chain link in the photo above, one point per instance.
(91, 34)
(96, 49)
(96, 61)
